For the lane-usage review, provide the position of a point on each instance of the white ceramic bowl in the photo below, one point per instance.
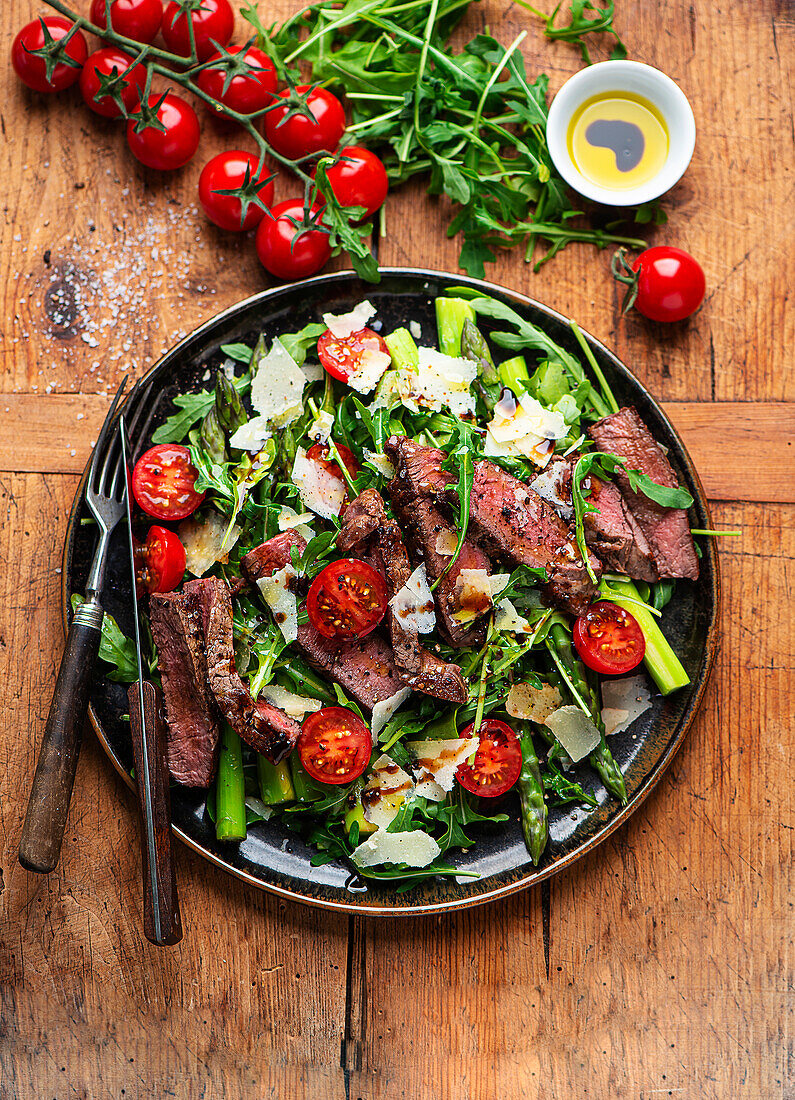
(641, 80)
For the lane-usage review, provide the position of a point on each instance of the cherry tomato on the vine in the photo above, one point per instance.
(498, 760)
(319, 453)
(347, 599)
(164, 482)
(294, 135)
(31, 68)
(670, 283)
(608, 639)
(213, 23)
(246, 93)
(103, 63)
(359, 179)
(225, 172)
(159, 561)
(334, 745)
(136, 19)
(170, 148)
(342, 355)
(289, 252)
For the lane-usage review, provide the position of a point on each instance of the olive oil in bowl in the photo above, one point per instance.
(618, 140)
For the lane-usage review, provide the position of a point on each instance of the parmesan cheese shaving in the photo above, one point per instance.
(413, 605)
(381, 463)
(473, 593)
(320, 428)
(289, 519)
(386, 791)
(281, 600)
(507, 618)
(204, 541)
(624, 700)
(294, 706)
(384, 710)
(278, 386)
(531, 703)
(319, 490)
(530, 430)
(343, 324)
(575, 731)
(251, 436)
(446, 542)
(415, 849)
(437, 762)
(372, 366)
(439, 380)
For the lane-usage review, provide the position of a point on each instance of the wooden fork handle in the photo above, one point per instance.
(162, 924)
(48, 805)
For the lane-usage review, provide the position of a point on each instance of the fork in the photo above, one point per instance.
(48, 805)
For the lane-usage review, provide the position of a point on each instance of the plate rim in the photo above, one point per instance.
(652, 779)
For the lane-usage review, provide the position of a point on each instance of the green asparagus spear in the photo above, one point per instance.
(531, 798)
(212, 436)
(403, 350)
(450, 316)
(275, 784)
(474, 347)
(514, 374)
(230, 795)
(228, 406)
(664, 666)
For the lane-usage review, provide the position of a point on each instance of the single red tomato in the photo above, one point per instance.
(334, 745)
(318, 452)
(498, 760)
(45, 33)
(164, 482)
(295, 135)
(288, 252)
(608, 639)
(224, 172)
(111, 62)
(245, 93)
(670, 283)
(213, 23)
(359, 179)
(159, 561)
(347, 599)
(170, 148)
(136, 19)
(342, 355)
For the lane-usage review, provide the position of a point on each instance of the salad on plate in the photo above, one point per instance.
(399, 586)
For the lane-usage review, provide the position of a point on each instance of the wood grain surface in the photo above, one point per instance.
(662, 965)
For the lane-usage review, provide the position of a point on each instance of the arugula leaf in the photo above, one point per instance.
(194, 407)
(580, 25)
(663, 495)
(345, 234)
(297, 344)
(115, 648)
(460, 460)
(241, 353)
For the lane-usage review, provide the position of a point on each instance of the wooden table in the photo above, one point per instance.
(662, 965)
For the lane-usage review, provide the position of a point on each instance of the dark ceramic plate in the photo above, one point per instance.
(275, 860)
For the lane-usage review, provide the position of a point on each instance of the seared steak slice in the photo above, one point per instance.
(615, 536)
(262, 726)
(508, 519)
(366, 521)
(364, 668)
(271, 556)
(192, 726)
(666, 529)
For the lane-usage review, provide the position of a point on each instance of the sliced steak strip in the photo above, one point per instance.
(271, 556)
(262, 726)
(366, 521)
(666, 529)
(508, 519)
(193, 732)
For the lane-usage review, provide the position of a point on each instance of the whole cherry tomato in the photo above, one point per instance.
(289, 252)
(105, 63)
(43, 33)
(245, 93)
(170, 148)
(608, 639)
(359, 179)
(159, 562)
(224, 172)
(136, 19)
(164, 482)
(294, 135)
(498, 760)
(342, 355)
(347, 599)
(665, 283)
(334, 745)
(213, 23)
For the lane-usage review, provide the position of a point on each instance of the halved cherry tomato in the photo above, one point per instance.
(342, 355)
(164, 482)
(347, 599)
(498, 760)
(159, 562)
(318, 452)
(334, 745)
(609, 639)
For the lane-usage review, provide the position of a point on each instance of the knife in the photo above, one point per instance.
(162, 924)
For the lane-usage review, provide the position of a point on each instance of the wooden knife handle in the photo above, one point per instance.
(162, 924)
(48, 805)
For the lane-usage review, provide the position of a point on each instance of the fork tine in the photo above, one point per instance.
(136, 432)
(112, 464)
(99, 446)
